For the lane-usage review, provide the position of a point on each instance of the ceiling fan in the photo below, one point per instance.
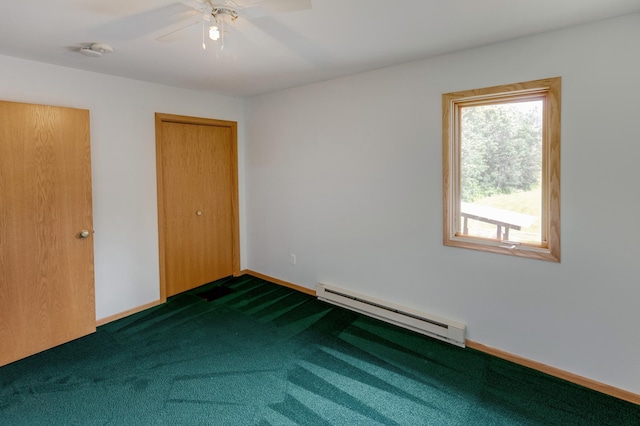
(216, 16)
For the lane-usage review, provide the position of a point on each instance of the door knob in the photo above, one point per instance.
(84, 234)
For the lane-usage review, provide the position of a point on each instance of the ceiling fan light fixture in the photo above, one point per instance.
(214, 33)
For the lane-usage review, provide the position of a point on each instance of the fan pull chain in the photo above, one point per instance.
(204, 46)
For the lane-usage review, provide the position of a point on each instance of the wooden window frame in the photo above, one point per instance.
(550, 91)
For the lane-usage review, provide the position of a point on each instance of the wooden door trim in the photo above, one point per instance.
(161, 118)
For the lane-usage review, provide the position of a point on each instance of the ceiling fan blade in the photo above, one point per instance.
(121, 7)
(293, 41)
(284, 6)
(143, 23)
(179, 34)
(256, 9)
(199, 5)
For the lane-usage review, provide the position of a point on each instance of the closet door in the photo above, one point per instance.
(198, 213)
(46, 229)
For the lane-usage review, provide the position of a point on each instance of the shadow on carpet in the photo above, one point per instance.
(242, 351)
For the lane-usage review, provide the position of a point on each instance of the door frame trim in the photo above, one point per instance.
(161, 118)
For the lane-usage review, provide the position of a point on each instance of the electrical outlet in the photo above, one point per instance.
(292, 259)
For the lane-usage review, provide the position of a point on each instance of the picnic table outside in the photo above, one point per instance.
(503, 219)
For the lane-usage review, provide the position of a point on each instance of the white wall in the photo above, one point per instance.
(346, 174)
(123, 165)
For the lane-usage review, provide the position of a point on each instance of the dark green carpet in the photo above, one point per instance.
(260, 354)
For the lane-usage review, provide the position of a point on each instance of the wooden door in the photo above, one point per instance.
(197, 195)
(46, 266)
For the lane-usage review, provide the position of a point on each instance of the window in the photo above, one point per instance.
(501, 169)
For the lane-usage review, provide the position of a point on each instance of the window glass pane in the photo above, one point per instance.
(500, 171)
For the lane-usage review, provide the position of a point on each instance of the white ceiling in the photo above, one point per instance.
(333, 38)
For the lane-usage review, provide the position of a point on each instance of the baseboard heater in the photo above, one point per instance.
(430, 325)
